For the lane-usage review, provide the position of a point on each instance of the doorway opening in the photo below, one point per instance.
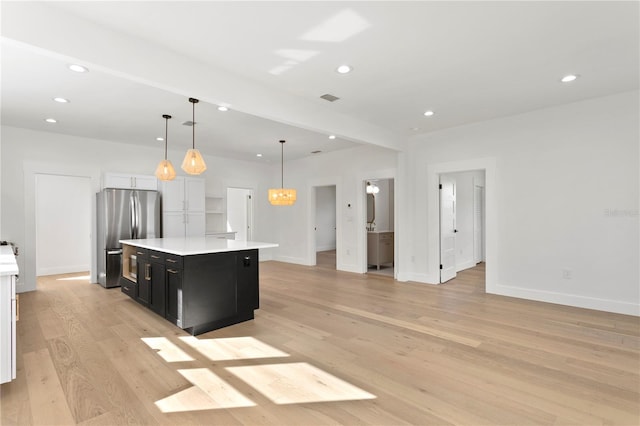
(63, 220)
(325, 227)
(380, 195)
(461, 222)
(240, 213)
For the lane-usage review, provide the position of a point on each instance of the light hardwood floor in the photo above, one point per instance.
(326, 347)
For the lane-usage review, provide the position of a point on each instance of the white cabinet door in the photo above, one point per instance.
(173, 195)
(126, 181)
(149, 183)
(194, 194)
(173, 224)
(195, 224)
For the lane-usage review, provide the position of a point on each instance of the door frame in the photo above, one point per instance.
(361, 229)
(311, 220)
(492, 258)
(250, 208)
(28, 252)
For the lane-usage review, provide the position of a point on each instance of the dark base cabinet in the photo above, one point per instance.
(198, 293)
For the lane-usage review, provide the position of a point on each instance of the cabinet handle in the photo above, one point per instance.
(171, 260)
(155, 257)
(139, 253)
(126, 288)
(147, 274)
(173, 271)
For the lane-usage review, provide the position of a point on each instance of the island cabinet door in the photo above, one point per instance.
(209, 288)
(144, 281)
(158, 290)
(247, 278)
(174, 295)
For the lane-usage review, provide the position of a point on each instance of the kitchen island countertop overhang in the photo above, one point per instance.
(188, 246)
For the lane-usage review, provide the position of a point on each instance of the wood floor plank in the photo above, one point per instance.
(46, 396)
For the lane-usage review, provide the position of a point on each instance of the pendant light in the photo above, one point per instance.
(193, 162)
(165, 170)
(282, 196)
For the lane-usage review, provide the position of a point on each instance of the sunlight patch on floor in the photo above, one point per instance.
(79, 278)
(233, 348)
(167, 350)
(209, 392)
(298, 383)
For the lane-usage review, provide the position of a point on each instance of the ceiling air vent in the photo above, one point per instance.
(330, 98)
(316, 152)
(188, 123)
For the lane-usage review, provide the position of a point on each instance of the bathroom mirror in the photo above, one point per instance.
(371, 208)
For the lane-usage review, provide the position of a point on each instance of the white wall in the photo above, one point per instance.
(26, 153)
(63, 224)
(347, 170)
(562, 194)
(325, 218)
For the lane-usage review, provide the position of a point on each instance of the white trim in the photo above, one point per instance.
(291, 259)
(465, 265)
(567, 299)
(70, 269)
(31, 169)
(491, 215)
(361, 217)
(311, 216)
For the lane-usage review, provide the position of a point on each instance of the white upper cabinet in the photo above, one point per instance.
(128, 181)
(183, 207)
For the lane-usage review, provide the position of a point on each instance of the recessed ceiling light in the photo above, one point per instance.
(223, 108)
(568, 78)
(50, 120)
(159, 139)
(78, 68)
(344, 69)
(258, 155)
(415, 129)
(61, 100)
(428, 113)
(332, 136)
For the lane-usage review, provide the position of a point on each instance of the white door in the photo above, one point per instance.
(447, 228)
(194, 194)
(195, 224)
(173, 195)
(478, 224)
(239, 212)
(173, 224)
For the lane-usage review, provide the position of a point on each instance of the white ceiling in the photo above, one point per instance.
(467, 61)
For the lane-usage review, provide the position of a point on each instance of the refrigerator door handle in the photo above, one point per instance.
(132, 209)
(114, 251)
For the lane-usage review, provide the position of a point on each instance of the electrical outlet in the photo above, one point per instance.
(567, 274)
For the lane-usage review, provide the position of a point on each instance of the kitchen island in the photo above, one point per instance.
(198, 283)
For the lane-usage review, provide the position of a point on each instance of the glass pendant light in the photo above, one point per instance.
(165, 170)
(282, 196)
(193, 162)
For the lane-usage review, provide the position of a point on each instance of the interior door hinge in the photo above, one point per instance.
(440, 186)
(441, 266)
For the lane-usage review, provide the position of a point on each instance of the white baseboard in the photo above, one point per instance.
(326, 248)
(465, 265)
(56, 270)
(349, 268)
(569, 300)
(291, 259)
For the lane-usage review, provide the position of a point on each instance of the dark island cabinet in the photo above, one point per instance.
(201, 292)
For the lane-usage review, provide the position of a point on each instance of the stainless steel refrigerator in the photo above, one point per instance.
(123, 214)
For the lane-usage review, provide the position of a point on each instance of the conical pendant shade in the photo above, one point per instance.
(193, 162)
(165, 170)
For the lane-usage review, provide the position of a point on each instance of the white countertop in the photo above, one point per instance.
(8, 264)
(196, 245)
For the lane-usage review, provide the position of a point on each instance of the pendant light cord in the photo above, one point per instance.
(166, 135)
(282, 164)
(193, 127)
